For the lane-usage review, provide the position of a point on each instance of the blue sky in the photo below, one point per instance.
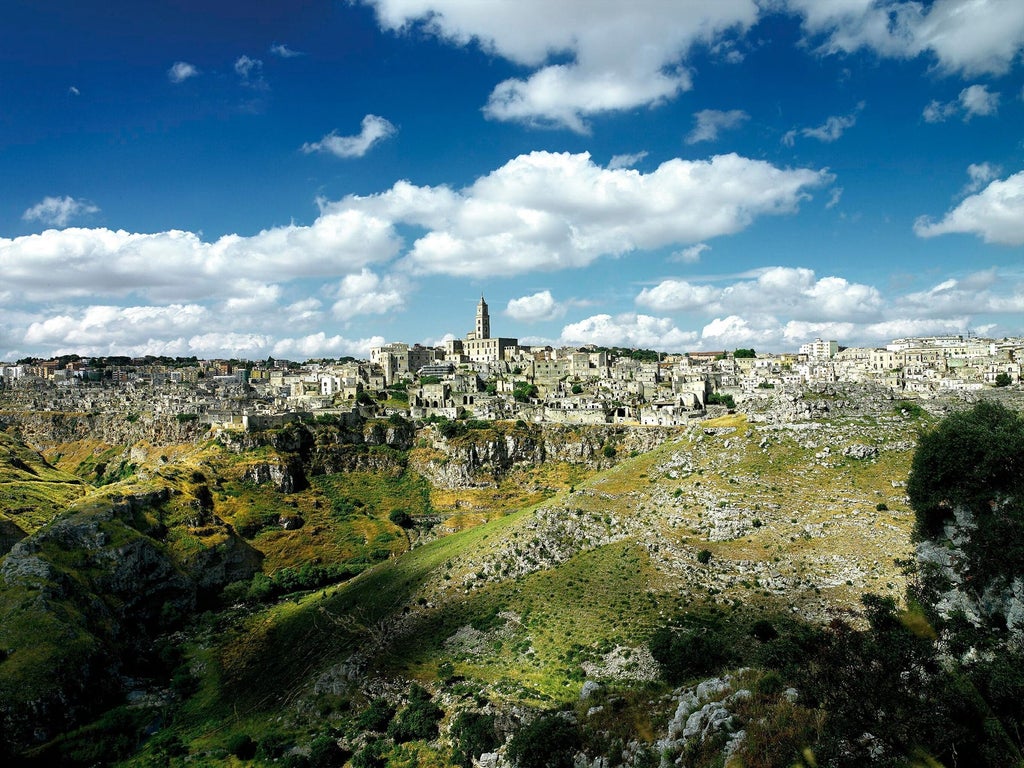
(310, 179)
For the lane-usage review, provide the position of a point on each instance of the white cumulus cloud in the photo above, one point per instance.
(610, 56)
(979, 100)
(794, 292)
(322, 345)
(374, 130)
(980, 174)
(678, 296)
(180, 71)
(626, 160)
(996, 214)
(547, 211)
(628, 330)
(366, 293)
(691, 254)
(963, 36)
(831, 130)
(58, 211)
(282, 50)
(533, 308)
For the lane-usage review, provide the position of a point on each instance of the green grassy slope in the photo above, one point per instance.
(31, 491)
(523, 608)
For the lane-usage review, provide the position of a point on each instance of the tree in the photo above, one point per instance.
(419, 719)
(972, 459)
(473, 734)
(744, 353)
(549, 741)
(523, 391)
(1003, 379)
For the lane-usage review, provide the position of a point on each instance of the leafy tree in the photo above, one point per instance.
(549, 741)
(716, 398)
(877, 682)
(376, 716)
(973, 459)
(473, 734)
(744, 353)
(1003, 379)
(523, 391)
(419, 719)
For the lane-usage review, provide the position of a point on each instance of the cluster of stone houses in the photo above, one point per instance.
(487, 377)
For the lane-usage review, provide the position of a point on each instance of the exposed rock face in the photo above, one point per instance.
(278, 474)
(949, 565)
(483, 457)
(703, 712)
(42, 428)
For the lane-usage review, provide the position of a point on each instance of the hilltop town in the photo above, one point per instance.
(487, 377)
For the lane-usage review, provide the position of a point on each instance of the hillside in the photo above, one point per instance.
(274, 588)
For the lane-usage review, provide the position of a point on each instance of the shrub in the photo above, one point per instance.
(716, 398)
(609, 451)
(472, 734)
(686, 654)
(370, 756)
(549, 741)
(376, 716)
(763, 630)
(324, 752)
(908, 408)
(419, 719)
(704, 556)
(973, 459)
(242, 746)
(881, 506)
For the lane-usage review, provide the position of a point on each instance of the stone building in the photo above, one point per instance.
(480, 347)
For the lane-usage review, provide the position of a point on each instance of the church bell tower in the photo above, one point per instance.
(483, 320)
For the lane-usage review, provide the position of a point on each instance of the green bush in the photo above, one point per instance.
(549, 741)
(242, 746)
(472, 734)
(376, 716)
(973, 459)
(686, 654)
(716, 398)
(418, 720)
(371, 756)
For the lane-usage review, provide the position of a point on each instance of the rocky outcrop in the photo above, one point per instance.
(485, 456)
(279, 474)
(42, 428)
